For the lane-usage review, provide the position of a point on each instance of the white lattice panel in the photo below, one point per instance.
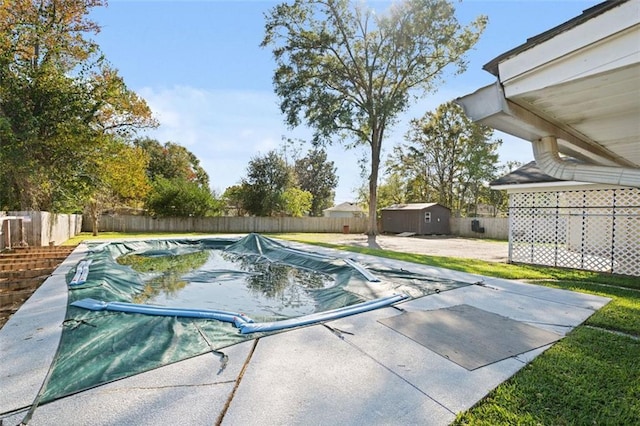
(626, 247)
(595, 230)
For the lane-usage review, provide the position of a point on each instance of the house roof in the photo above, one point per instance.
(412, 206)
(577, 83)
(529, 173)
(530, 176)
(345, 207)
(592, 12)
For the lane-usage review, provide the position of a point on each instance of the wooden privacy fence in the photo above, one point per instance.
(44, 228)
(228, 224)
(494, 227)
(38, 228)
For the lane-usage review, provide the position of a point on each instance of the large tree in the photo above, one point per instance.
(317, 175)
(179, 185)
(268, 177)
(171, 161)
(447, 158)
(59, 98)
(121, 182)
(347, 71)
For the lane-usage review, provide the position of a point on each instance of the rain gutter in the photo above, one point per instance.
(490, 107)
(545, 151)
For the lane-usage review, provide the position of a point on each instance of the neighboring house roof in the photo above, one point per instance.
(412, 206)
(344, 207)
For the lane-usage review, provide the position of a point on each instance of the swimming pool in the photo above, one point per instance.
(137, 305)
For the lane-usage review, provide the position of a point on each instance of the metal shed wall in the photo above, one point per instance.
(413, 220)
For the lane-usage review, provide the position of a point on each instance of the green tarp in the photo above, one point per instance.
(102, 346)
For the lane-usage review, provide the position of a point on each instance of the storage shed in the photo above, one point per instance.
(419, 218)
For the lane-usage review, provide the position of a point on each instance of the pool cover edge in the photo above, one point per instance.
(245, 324)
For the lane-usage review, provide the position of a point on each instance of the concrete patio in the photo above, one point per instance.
(354, 370)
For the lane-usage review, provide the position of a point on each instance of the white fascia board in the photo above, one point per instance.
(560, 186)
(609, 40)
(539, 186)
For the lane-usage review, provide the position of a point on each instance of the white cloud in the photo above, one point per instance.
(226, 128)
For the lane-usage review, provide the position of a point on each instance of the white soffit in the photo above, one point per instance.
(585, 81)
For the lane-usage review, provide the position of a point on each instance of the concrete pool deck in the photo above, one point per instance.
(353, 370)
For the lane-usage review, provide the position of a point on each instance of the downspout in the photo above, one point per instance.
(545, 151)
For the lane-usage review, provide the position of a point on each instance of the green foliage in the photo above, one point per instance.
(180, 186)
(391, 191)
(181, 198)
(268, 177)
(447, 159)
(172, 161)
(233, 197)
(296, 202)
(58, 100)
(124, 173)
(272, 187)
(48, 141)
(317, 176)
(346, 71)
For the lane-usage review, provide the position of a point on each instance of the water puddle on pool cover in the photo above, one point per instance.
(214, 279)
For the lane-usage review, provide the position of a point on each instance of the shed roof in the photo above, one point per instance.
(413, 206)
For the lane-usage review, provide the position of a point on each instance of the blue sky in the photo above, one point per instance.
(199, 66)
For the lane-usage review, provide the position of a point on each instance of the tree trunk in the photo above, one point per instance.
(95, 216)
(376, 139)
(95, 226)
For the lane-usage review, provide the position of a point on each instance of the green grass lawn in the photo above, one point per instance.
(591, 376)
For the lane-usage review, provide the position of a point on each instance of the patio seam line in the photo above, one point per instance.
(331, 330)
(616, 332)
(224, 382)
(227, 404)
(546, 299)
